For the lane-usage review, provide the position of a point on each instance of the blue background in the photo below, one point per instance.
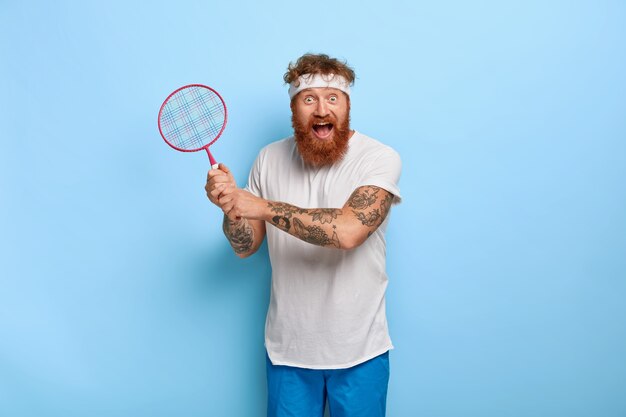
(507, 259)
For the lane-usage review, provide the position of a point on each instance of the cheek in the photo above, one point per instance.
(342, 115)
(302, 116)
(342, 111)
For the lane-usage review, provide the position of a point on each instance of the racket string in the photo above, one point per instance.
(192, 118)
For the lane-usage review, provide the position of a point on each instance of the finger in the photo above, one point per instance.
(214, 173)
(221, 179)
(210, 186)
(227, 189)
(216, 179)
(225, 199)
(217, 192)
(212, 183)
(218, 174)
(224, 168)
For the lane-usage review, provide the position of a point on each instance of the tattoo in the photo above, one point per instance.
(315, 234)
(363, 197)
(385, 205)
(370, 219)
(287, 210)
(324, 215)
(282, 223)
(240, 234)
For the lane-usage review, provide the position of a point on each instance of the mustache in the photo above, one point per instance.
(322, 119)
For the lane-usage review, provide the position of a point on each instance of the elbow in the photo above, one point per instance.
(243, 255)
(353, 241)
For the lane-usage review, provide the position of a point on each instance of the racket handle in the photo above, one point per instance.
(214, 164)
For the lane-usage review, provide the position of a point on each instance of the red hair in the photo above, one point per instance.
(318, 64)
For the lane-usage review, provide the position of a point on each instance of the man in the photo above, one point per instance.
(322, 197)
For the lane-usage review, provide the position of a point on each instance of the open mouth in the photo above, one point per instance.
(322, 130)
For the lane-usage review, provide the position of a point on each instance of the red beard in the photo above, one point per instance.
(318, 152)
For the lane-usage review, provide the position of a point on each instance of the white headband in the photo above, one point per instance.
(319, 81)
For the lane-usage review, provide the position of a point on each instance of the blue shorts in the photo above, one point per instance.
(359, 391)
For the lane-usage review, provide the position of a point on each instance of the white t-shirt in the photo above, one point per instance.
(327, 305)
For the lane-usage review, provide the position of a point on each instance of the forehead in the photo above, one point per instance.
(320, 91)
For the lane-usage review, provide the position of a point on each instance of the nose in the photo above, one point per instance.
(321, 109)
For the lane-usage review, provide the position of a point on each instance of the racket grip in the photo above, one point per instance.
(214, 164)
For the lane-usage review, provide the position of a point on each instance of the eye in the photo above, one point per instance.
(309, 99)
(333, 99)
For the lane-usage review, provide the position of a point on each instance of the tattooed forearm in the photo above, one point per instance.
(288, 216)
(315, 234)
(286, 211)
(365, 210)
(324, 215)
(239, 233)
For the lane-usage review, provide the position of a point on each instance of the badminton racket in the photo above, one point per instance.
(192, 118)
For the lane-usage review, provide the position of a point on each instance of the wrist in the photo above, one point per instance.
(261, 210)
(234, 222)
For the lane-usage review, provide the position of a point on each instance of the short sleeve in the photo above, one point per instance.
(254, 179)
(384, 172)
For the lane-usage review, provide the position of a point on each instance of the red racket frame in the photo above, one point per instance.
(205, 147)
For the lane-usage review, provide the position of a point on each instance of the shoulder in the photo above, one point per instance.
(281, 146)
(368, 147)
(382, 165)
(275, 153)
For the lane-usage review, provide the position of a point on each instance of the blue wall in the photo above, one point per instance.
(507, 260)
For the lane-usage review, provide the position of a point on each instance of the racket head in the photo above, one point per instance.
(192, 118)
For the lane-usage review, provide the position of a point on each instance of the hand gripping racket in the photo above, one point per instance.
(193, 118)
